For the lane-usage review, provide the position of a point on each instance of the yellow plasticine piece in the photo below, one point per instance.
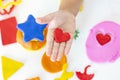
(9, 4)
(81, 8)
(65, 75)
(9, 67)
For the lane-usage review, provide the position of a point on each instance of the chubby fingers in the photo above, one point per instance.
(49, 43)
(55, 51)
(68, 44)
(60, 51)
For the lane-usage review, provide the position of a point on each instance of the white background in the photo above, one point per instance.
(94, 12)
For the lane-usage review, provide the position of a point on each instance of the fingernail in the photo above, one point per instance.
(48, 54)
(59, 58)
(52, 59)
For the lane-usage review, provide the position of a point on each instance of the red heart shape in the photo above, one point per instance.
(60, 36)
(103, 39)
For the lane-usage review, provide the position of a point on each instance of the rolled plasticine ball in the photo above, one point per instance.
(103, 42)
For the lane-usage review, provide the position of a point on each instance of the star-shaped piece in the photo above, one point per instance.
(32, 30)
(65, 75)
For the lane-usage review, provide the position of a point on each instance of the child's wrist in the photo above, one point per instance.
(71, 6)
(73, 12)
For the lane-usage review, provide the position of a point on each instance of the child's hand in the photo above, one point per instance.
(65, 21)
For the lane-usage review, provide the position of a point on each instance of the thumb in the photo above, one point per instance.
(45, 19)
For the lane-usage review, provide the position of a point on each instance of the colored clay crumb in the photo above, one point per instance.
(65, 75)
(52, 67)
(36, 78)
(76, 34)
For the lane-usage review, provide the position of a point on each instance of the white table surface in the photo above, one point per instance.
(94, 12)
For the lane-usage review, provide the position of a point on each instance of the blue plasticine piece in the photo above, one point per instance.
(32, 30)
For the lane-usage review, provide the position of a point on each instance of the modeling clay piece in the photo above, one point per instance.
(9, 67)
(36, 78)
(103, 42)
(103, 39)
(65, 75)
(32, 30)
(81, 7)
(53, 67)
(85, 76)
(5, 11)
(32, 45)
(8, 10)
(9, 4)
(60, 36)
(8, 30)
